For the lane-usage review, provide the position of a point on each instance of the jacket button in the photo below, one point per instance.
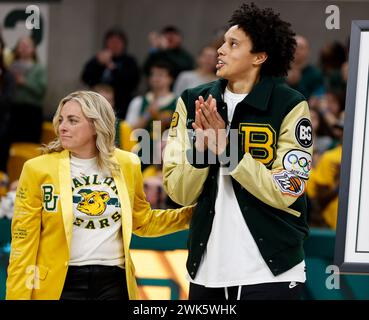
(201, 244)
(261, 239)
(211, 211)
(270, 260)
(212, 177)
(192, 273)
(195, 264)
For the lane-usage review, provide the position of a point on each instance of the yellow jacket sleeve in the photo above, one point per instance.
(148, 222)
(26, 226)
(285, 182)
(182, 181)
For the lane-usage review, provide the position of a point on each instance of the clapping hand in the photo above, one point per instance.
(105, 57)
(209, 126)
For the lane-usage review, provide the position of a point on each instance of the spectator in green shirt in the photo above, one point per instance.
(303, 76)
(31, 80)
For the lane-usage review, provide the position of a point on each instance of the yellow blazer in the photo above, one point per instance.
(41, 238)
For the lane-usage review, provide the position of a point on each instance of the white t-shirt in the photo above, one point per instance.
(232, 257)
(97, 226)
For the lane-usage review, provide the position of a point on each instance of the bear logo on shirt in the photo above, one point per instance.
(94, 203)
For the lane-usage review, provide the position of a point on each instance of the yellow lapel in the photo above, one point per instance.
(66, 195)
(125, 203)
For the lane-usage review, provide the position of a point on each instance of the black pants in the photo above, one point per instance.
(263, 291)
(95, 282)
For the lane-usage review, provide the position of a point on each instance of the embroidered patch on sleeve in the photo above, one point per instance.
(174, 124)
(50, 200)
(22, 193)
(289, 183)
(20, 233)
(304, 133)
(298, 162)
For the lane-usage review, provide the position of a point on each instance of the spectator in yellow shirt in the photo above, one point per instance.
(323, 186)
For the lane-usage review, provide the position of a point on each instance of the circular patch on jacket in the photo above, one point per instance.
(304, 133)
(298, 162)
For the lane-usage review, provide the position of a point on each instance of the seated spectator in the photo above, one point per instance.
(330, 105)
(122, 129)
(31, 80)
(106, 91)
(171, 51)
(113, 66)
(153, 181)
(7, 89)
(205, 71)
(324, 139)
(323, 136)
(4, 181)
(158, 104)
(323, 185)
(303, 76)
(155, 194)
(7, 202)
(332, 57)
(8, 56)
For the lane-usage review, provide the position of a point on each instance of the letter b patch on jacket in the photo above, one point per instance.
(50, 201)
(260, 141)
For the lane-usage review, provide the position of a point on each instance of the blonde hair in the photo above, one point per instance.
(99, 111)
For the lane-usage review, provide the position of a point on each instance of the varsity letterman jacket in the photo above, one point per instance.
(274, 140)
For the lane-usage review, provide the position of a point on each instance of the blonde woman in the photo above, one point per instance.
(75, 210)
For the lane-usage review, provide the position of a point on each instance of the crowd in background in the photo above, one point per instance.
(167, 71)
